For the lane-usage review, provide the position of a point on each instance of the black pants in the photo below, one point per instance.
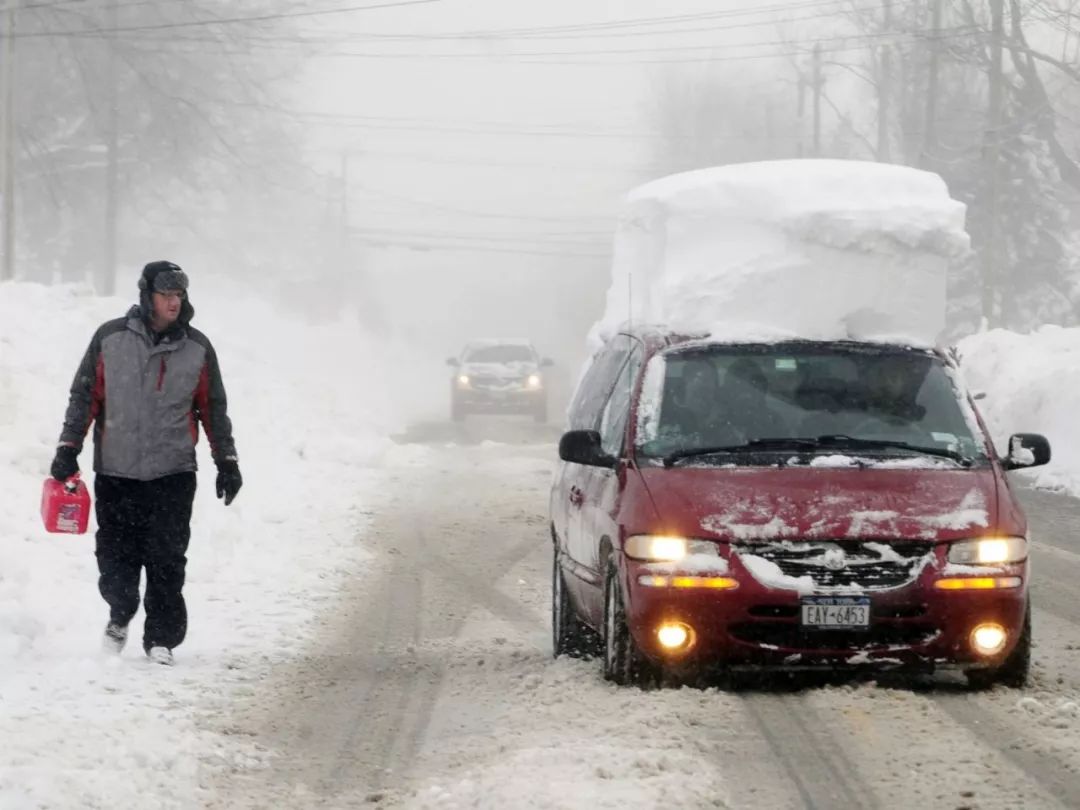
(145, 524)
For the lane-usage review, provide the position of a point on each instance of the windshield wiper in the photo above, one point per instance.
(842, 440)
(750, 446)
(835, 440)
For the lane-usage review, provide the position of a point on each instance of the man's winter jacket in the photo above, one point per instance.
(146, 399)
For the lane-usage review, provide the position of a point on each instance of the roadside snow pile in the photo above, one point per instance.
(798, 248)
(84, 731)
(1032, 385)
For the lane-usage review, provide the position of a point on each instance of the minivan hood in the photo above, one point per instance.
(751, 504)
(504, 371)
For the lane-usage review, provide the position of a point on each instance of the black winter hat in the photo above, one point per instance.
(161, 276)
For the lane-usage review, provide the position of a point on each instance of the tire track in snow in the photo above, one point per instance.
(1040, 765)
(417, 698)
(348, 718)
(824, 776)
(388, 747)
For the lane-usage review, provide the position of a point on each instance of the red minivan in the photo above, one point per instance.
(786, 505)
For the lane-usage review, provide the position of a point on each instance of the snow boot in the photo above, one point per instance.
(160, 655)
(115, 638)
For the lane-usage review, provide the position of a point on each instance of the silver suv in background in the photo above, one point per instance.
(499, 376)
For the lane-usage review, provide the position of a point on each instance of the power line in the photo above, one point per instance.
(571, 239)
(478, 214)
(628, 23)
(86, 6)
(224, 20)
(302, 37)
(805, 52)
(544, 57)
(670, 48)
(423, 245)
(584, 33)
(450, 160)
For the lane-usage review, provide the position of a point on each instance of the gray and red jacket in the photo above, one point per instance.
(146, 400)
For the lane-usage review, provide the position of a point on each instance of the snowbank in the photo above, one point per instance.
(81, 730)
(1032, 385)
(806, 248)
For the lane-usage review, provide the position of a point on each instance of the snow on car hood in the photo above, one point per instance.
(799, 503)
(502, 371)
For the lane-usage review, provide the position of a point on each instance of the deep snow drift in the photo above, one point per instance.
(82, 730)
(1031, 384)
(802, 248)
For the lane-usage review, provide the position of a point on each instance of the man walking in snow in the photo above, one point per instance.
(145, 382)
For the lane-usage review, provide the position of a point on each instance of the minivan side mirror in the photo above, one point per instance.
(583, 447)
(1027, 450)
(547, 362)
(453, 361)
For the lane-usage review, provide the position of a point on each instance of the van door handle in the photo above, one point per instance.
(577, 497)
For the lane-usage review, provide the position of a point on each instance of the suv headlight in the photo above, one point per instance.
(662, 548)
(533, 381)
(989, 551)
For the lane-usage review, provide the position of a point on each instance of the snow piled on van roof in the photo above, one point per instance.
(816, 249)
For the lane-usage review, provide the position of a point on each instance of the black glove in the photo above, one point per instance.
(65, 463)
(229, 480)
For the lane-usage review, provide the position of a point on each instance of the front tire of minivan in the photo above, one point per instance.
(570, 636)
(624, 663)
(1015, 669)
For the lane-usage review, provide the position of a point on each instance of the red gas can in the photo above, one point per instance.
(65, 506)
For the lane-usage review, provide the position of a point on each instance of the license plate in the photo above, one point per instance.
(840, 612)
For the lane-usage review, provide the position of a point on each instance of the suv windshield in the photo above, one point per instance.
(499, 354)
(799, 398)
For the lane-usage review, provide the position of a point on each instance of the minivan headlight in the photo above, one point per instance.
(664, 548)
(989, 551)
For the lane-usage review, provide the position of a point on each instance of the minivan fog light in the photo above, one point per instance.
(674, 636)
(988, 639)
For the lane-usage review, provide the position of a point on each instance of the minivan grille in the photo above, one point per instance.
(845, 564)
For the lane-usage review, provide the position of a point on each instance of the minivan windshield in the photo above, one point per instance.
(504, 353)
(848, 399)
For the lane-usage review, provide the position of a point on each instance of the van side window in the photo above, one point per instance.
(596, 385)
(613, 423)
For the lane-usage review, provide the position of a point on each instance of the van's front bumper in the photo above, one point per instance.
(916, 626)
(506, 400)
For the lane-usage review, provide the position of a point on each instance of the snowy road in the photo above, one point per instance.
(432, 684)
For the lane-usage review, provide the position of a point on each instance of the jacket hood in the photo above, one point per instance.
(754, 504)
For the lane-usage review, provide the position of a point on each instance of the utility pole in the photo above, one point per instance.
(770, 129)
(818, 89)
(930, 119)
(345, 194)
(994, 244)
(800, 148)
(884, 154)
(107, 285)
(7, 137)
